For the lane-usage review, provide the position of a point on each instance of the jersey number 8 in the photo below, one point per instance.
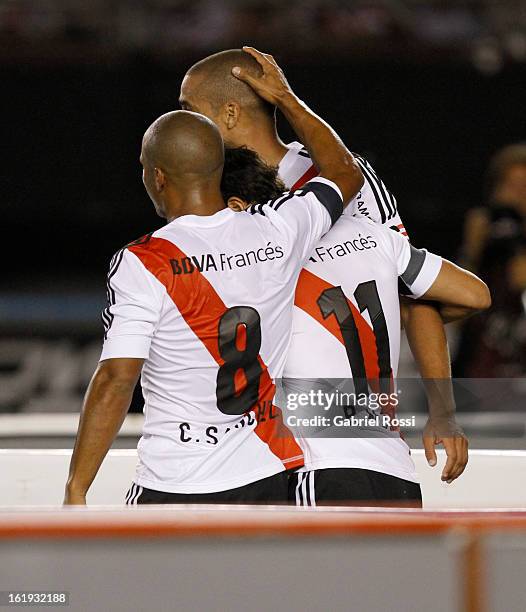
(237, 358)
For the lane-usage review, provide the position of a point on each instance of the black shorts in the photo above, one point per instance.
(352, 487)
(271, 490)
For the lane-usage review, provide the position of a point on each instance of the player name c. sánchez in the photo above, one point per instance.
(224, 261)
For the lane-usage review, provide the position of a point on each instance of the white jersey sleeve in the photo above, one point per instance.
(417, 268)
(308, 213)
(375, 201)
(135, 299)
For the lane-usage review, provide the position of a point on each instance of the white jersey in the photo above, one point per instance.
(207, 302)
(357, 269)
(347, 325)
(374, 201)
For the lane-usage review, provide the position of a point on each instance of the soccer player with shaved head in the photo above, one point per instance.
(202, 310)
(213, 88)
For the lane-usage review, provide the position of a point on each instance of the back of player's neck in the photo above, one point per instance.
(203, 203)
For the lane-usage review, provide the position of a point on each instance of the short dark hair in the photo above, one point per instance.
(220, 85)
(247, 176)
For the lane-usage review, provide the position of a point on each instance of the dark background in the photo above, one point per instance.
(73, 192)
(427, 90)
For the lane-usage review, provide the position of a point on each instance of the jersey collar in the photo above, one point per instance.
(287, 161)
(217, 218)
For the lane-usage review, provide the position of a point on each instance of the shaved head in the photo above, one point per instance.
(183, 143)
(214, 82)
(182, 156)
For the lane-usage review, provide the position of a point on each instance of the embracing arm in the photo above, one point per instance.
(455, 294)
(427, 339)
(106, 403)
(459, 293)
(332, 158)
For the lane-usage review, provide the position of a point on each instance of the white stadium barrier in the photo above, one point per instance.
(493, 478)
(240, 558)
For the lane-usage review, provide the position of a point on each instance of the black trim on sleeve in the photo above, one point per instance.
(142, 240)
(416, 262)
(275, 204)
(256, 209)
(394, 204)
(383, 190)
(382, 208)
(107, 315)
(328, 196)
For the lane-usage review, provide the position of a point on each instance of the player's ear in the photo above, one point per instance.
(160, 179)
(237, 204)
(231, 112)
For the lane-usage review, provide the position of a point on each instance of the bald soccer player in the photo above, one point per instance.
(202, 308)
(245, 118)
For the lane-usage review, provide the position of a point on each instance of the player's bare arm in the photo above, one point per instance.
(334, 161)
(459, 292)
(106, 403)
(427, 338)
(455, 294)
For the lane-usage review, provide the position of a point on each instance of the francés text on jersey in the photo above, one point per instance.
(360, 243)
(225, 261)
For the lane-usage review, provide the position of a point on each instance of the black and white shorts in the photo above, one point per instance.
(271, 490)
(351, 487)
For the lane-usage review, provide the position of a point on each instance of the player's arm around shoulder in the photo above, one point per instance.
(300, 218)
(334, 161)
(459, 292)
(427, 276)
(329, 154)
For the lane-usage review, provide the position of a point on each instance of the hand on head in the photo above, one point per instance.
(272, 85)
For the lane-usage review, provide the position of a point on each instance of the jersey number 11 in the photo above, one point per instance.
(333, 302)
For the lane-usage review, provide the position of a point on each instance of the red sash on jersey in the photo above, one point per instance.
(201, 307)
(311, 173)
(310, 287)
(308, 290)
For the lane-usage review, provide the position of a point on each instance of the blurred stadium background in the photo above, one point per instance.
(428, 90)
